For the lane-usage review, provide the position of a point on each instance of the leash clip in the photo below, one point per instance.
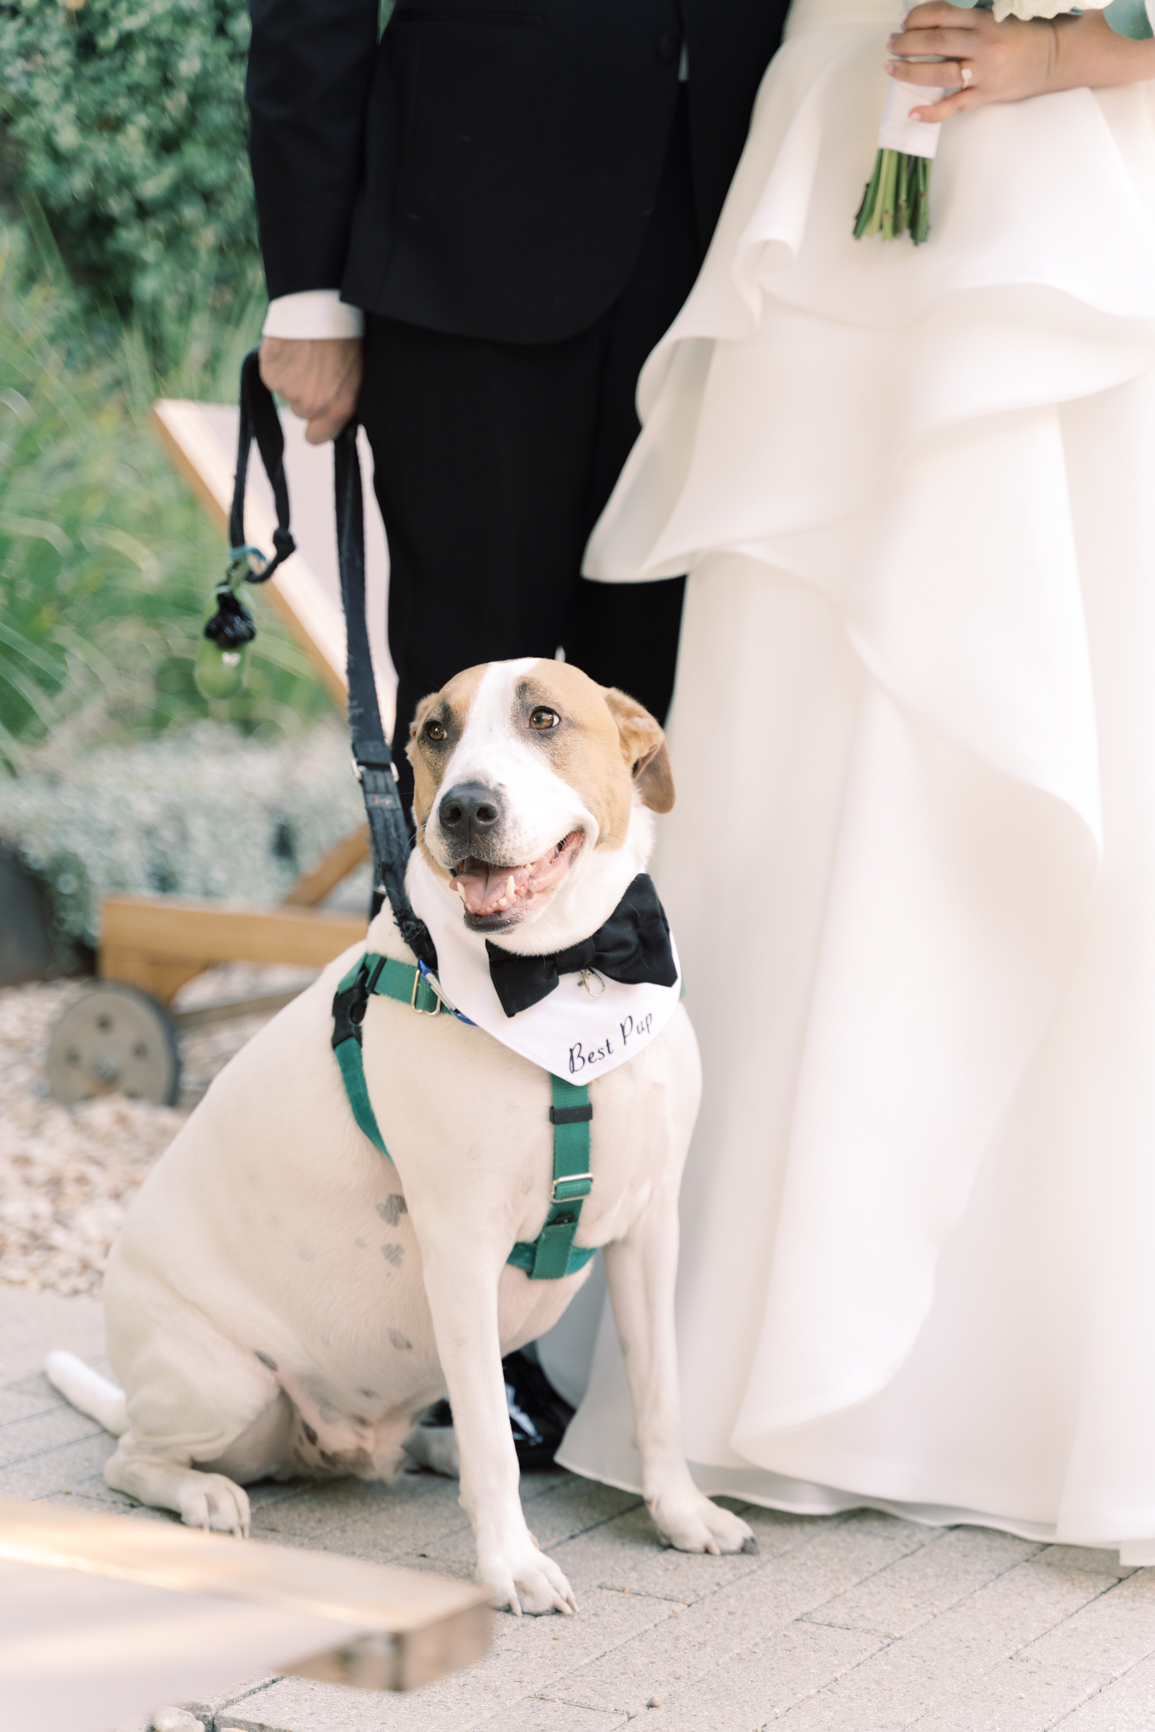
(436, 987)
(412, 998)
(589, 974)
(420, 979)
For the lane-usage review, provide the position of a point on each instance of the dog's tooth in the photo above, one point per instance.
(510, 886)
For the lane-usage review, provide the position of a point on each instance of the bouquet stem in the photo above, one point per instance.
(896, 201)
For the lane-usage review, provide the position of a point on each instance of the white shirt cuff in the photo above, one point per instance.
(313, 313)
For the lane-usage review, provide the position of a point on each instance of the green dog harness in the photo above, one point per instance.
(553, 1253)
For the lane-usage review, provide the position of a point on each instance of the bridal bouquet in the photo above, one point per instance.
(896, 201)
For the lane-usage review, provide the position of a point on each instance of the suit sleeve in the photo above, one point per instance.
(310, 67)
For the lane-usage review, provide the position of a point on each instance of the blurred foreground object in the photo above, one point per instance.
(107, 1616)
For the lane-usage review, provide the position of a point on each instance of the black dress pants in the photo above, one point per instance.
(492, 462)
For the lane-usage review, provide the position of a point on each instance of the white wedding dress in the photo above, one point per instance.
(912, 865)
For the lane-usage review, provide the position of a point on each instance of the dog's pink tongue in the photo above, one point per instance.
(485, 889)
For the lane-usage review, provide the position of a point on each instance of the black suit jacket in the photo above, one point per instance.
(487, 169)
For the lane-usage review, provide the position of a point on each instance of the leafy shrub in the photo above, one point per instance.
(129, 125)
(105, 560)
(202, 813)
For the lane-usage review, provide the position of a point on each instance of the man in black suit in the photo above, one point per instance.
(474, 232)
(477, 227)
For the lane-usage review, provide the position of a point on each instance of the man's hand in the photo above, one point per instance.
(320, 376)
(1014, 59)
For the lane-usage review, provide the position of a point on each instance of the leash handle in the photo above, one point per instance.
(372, 760)
(259, 420)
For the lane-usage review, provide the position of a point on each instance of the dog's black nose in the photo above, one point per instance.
(468, 812)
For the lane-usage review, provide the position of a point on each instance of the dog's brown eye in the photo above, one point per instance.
(435, 731)
(543, 719)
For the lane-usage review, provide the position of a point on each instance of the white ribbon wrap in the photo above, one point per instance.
(897, 131)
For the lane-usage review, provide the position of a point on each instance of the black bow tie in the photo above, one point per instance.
(633, 946)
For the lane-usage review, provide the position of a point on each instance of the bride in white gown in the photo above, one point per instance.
(912, 865)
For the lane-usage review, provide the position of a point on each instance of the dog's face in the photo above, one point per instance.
(526, 772)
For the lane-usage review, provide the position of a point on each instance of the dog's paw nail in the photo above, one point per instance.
(750, 1544)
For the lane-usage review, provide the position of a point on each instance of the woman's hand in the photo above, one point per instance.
(989, 62)
(984, 61)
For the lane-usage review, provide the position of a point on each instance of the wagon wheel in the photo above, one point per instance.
(114, 1039)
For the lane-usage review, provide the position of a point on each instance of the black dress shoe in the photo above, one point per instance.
(432, 1443)
(537, 1413)
(538, 1417)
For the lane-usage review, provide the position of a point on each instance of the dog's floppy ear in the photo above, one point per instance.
(644, 749)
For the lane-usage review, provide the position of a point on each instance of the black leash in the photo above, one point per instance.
(372, 759)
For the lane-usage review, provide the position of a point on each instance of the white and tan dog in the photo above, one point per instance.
(285, 1301)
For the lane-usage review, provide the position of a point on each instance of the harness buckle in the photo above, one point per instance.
(572, 1179)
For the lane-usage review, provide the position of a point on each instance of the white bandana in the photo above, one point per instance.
(570, 1032)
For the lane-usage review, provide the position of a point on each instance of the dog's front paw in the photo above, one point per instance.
(525, 1581)
(209, 1500)
(691, 1523)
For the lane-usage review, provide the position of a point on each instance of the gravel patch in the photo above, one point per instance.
(68, 1174)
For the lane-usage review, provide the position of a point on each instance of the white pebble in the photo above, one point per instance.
(176, 1720)
(68, 1174)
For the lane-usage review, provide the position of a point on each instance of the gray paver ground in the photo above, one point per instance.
(853, 1623)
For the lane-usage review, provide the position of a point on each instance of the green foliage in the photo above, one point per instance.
(106, 562)
(129, 125)
(203, 813)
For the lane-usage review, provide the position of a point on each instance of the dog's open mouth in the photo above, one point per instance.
(495, 896)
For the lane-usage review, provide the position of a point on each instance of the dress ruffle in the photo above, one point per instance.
(1038, 288)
